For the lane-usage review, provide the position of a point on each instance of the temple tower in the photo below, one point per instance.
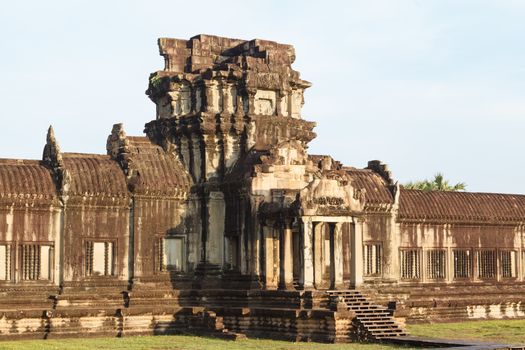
(218, 99)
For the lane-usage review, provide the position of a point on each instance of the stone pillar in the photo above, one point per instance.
(318, 246)
(195, 155)
(58, 228)
(450, 265)
(227, 98)
(357, 253)
(251, 102)
(278, 99)
(271, 251)
(331, 258)
(215, 241)
(212, 97)
(256, 244)
(338, 256)
(287, 262)
(307, 277)
(211, 157)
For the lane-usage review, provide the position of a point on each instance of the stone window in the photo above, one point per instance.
(508, 263)
(5, 262)
(36, 261)
(170, 254)
(462, 263)
(436, 264)
(410, 264)
(372, 259)
(487, 264)
(99, 258)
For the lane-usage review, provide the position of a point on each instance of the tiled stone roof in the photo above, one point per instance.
(94, 175)
(26, 181)
(156, 172)
(376, 188)
(449, 206)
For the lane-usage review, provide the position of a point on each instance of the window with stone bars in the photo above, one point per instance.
(487, 263)
(462, 263)
(410, 263)
(508, 263)
(169, 254)
(99, 258)
(436, 264)
(372, 257)
(36, 261)
(5, 262)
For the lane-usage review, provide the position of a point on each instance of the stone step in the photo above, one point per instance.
(376, 322)
(371, 313)
(362, 305)
(382, 336)
(371, 318)
(360, 300)
(377, 332)
(376, 319)
(365, 309)
(382, 326)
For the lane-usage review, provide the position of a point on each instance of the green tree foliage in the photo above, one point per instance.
(438, 183)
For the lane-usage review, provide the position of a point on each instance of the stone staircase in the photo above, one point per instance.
(374, 322)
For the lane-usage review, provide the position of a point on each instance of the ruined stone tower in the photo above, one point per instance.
(218, 100)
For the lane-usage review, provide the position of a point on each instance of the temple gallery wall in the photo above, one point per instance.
(218, 221)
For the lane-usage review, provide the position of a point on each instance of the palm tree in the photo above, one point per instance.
(438, 183)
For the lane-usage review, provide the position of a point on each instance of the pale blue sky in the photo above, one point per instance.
(425, 86)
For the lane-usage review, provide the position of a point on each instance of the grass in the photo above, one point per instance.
(496, 331)
(174, 343)
(500, 331)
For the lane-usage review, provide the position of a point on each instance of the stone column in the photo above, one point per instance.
(251, 102)
(338, 256)
(357, 253)
(58, 228)
(271, 259)
(278, 106)
(212, 97)
(196, 156)
(449, 265)
(287, 256)
(318, 246)
(256, 250)
(331, 237)
(307, 278)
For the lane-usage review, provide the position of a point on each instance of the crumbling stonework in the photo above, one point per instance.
(220, 222)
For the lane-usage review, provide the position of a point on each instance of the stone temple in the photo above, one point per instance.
(219, 221)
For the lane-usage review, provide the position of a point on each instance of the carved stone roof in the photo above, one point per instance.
(204, 52)
(154, 171)
(26, 181)
(94, 175)
(261, 63)
(416, 205)
(376, 189)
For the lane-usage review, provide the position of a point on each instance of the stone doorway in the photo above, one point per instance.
(323, 255)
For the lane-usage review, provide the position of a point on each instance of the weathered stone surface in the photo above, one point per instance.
(219, 222)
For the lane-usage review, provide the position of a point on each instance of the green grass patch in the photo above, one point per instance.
(498, 331)
(174, 343)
